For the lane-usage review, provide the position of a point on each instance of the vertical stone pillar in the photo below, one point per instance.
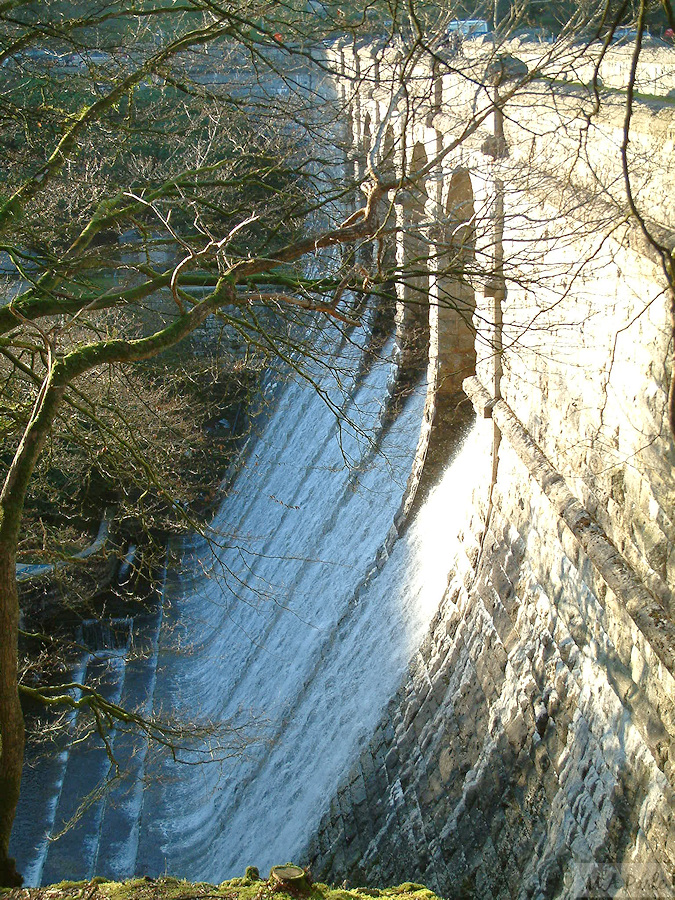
(365, 255)
(452, 300)
(496, 287)
(412, 253)
(385, 249)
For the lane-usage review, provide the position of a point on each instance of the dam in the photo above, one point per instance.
(440, 584)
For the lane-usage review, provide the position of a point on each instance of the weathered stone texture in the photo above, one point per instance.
(530, 752)
(513, 768)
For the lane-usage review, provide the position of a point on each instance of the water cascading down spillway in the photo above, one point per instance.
(308, 614)
(297, 615)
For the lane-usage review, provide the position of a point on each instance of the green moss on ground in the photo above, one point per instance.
(167, 888)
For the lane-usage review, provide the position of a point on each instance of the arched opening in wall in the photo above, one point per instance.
(366, 141)
(348, 133)
(357, 147)
(388, 162)
(360, 257)
(412, 314)
(435, 93)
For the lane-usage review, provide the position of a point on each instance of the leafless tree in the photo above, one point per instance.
(166, 167)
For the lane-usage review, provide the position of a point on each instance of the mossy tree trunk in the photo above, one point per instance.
(12, 500)
(11, 718)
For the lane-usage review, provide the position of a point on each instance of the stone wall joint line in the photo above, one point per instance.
(643, 608)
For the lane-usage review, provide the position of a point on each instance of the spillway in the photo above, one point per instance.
(478, 694)
(294, 617)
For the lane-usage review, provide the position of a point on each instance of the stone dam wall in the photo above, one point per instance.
(529, 751)
(527, 748)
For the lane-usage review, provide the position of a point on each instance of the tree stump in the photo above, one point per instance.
(290, 876)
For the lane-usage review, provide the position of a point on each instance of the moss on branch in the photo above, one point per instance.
(249, 887)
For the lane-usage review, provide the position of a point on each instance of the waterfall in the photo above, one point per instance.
(71, 816)
(288, 617)
(295, 616)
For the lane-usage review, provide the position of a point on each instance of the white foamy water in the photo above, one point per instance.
(274, 627)
(269, 621)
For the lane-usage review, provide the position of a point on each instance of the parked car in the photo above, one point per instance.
(87, 58)
(624, 35)
(468, 28)
(97, 57)
(533, 36)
